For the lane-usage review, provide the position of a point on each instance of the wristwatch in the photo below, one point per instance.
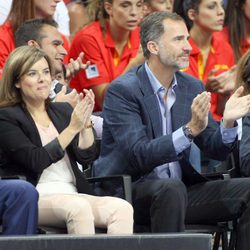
(188, 133)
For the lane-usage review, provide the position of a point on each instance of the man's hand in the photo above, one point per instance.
(236, 107)
(75, 66)
(72, 98)
(200, 109)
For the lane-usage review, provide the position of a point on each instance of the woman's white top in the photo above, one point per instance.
(58, 177)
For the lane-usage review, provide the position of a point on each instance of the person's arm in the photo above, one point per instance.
(244, 151)
(80, 123)
(101, 80)
(22, 151)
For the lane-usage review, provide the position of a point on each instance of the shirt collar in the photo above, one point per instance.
(156, 85)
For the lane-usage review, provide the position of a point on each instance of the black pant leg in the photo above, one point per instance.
(222, 200)
(161, 203)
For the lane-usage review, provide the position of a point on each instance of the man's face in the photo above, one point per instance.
(52, 44)
(173, 45)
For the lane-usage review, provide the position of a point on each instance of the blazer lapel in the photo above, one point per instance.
(181, 110)
(150, 100)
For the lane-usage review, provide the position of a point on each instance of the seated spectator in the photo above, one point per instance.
(152, 114)
(43, 141)
(236, 30)
(243, 79)
(18, 207)
(43, 33)
(211, 59)
(110, 43)
(19, 13)
(61, 16)
(78, 16)
(150, 6)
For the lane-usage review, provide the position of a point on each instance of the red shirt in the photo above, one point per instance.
(220, 57)
(244, 44)
(100, 51)
(7, 44)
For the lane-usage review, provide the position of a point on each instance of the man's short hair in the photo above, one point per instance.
(152, 28)
(32, 30)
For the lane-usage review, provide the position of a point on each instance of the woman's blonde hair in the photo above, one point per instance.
(18, 63)
(97, 12)
(243, 73)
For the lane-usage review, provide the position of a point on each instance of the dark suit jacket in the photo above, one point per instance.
(22, 150)
(132, 132)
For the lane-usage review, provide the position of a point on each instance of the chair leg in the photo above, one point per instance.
(224, 239)
(232, 242)
(216, 241)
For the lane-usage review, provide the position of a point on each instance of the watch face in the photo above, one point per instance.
(188, 133)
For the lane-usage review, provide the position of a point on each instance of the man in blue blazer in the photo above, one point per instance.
(18, 207)
(152, 114)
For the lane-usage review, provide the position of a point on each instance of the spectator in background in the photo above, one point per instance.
(19, 13)
(18, 207)
(61, 16)
(78, 16)
(4, 10)
(209, 60)
(237, 23)
(111, 43)
(150, 6)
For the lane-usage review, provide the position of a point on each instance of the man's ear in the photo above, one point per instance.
(153, 47)
(108, 7)
(33, 43)
(191, 14)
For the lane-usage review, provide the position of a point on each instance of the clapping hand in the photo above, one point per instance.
(236, 107)
(80, 118)
(200, 108)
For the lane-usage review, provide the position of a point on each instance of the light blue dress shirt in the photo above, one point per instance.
(180, 141)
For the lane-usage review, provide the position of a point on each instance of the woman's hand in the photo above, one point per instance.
(80, 118)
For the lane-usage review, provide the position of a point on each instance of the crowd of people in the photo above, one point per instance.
(161, 82)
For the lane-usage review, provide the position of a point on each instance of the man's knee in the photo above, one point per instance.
(23, 190)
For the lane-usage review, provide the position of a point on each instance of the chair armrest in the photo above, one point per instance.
(124, 179)
(217, 176)
(9, 177)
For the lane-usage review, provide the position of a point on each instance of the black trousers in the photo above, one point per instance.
(166, 205)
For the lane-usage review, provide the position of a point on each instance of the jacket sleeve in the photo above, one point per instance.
(18, 148)
(83, 156)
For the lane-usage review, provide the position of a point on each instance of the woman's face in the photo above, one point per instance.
(210, 15)
(246, 9)
(125, 14)
(36, 83)
(45, 8)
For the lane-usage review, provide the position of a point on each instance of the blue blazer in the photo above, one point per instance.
(132, 132)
